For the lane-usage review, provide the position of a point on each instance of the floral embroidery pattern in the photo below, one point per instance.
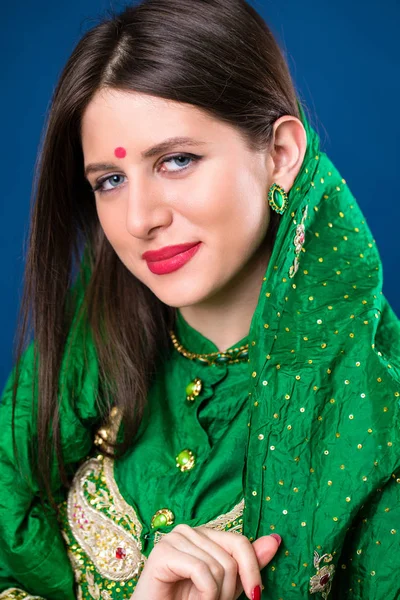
(103, 533)
(322, 580)
(298, 242)
(17, 594)
(102, 527)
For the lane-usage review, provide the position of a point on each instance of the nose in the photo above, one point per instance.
(146, 207)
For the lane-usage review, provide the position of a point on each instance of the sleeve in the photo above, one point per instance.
(33, 558)
(33, 555)
(370, 564)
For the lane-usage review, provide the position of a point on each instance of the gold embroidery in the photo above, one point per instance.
(322, 580)
(94, 589)
(121, 507)
(225, 520)
(114, 549)
(230, 521)
(17, 594)
(107, 435)
(103, 532)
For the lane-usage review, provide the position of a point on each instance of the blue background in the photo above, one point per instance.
(344, 59)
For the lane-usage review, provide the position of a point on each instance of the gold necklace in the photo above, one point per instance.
(229, 357)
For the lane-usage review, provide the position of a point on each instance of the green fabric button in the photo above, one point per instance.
(185, 460)
(162, 517)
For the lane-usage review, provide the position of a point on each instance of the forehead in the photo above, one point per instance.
(117, 112)
(137, 121)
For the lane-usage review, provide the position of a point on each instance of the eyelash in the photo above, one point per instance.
(194, 158)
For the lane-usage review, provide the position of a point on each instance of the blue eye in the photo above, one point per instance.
(192, 158)
(99, 187)
(177, 158)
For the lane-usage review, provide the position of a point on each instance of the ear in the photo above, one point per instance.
(288, 150)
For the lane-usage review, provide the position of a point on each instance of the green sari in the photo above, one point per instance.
(302, 439)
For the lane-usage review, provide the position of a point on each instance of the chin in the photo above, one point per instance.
(179, 295)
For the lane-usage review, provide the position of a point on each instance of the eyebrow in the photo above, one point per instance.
(153, 151)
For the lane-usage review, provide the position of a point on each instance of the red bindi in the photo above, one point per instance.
(120, 152)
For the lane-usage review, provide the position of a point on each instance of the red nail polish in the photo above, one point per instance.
(256, 593)
(277, 537)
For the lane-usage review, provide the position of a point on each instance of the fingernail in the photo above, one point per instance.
(256, 593)
(277, 537)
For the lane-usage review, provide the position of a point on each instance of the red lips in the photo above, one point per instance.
(167, 252)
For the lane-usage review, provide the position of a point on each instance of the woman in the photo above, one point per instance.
(190, 402)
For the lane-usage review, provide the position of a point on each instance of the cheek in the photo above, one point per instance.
(241, 208)
(219, 199)
(110, 223)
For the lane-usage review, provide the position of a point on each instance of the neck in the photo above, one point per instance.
(226, 317)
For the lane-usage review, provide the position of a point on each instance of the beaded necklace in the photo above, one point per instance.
(234, 355)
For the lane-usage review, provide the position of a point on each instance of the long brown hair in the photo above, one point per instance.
(218, 55)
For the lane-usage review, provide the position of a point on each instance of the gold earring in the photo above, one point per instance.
(277, 198)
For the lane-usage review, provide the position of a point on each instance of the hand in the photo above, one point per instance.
(201, 563)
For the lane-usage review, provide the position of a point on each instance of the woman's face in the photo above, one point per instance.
(211, 190)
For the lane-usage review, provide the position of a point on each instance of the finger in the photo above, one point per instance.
(176, 566)
(227, 571)
(264, 554)
(241, 549)
(179, 538)
(265, 549)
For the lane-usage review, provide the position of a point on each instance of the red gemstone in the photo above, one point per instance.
(120, 553)
(324, 579)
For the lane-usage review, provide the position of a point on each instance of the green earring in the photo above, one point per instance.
(277, 198)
